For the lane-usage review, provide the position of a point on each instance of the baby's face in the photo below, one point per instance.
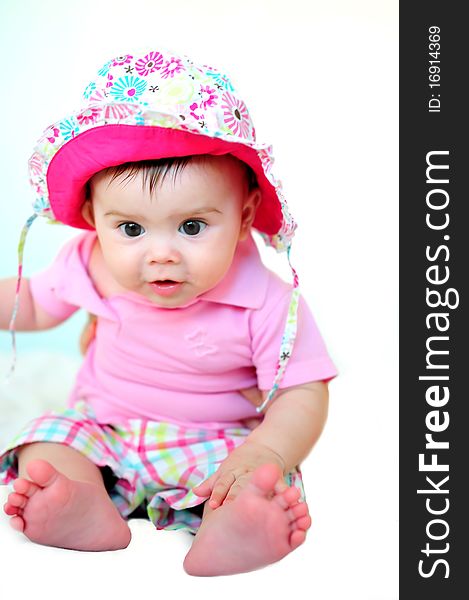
(178, 242)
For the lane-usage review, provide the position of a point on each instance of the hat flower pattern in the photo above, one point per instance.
(121, 60)
(128, 89)
(150, 63)
(89, 90)
(35, 163)
(103, 71)
(208, 96)
(236, 115)
(69, 128)
(171, 67)
(89, 115)
(221, 81)
(52, 134)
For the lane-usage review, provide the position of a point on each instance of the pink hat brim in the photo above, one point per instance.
(110, 145)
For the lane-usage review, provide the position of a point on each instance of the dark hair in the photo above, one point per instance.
(156, 170)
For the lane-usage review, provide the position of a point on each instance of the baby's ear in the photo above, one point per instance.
(249, 212)
(87, 212)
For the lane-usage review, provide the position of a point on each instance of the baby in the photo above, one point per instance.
(161, 169)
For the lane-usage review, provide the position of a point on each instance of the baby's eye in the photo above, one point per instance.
(130, 229)
(192, 227)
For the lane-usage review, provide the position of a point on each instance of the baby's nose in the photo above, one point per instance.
(162, 251)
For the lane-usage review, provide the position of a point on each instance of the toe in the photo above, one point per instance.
(288, 498)
(10, 510)
(25, 487)
(280, 486)
(297, 511)
(303, 523)
(17, 523)
(17, 500)
(264, 479)
(291, 495)
(297, 538)
(42, 472)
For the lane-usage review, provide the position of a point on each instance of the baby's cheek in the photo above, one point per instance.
(215, 267)
(125, 273)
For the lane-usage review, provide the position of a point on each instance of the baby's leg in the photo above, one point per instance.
(259, 527)
(65, 459)
(60, 500)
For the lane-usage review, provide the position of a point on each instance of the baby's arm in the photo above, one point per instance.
(292, 424)
(31, 316)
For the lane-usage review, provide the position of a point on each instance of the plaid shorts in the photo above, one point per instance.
(146, 465)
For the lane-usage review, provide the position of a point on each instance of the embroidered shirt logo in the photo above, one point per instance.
(197, 341)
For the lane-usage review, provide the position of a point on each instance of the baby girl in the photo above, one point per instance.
(205, 384)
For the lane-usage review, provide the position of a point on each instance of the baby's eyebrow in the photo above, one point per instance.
(197, 211)
(114, 213)
(194, 211)
(202, 210)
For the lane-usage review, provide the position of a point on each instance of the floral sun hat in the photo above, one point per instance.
(148, 106)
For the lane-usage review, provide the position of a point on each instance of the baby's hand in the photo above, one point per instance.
(235, 471)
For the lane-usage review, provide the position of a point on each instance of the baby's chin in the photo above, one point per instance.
(172, 298)
(174, 303)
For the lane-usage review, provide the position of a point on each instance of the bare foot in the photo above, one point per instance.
(257, 528)
(56, 511)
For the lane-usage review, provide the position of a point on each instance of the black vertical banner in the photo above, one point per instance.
(434, 259)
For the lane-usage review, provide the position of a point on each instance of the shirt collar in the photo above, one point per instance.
(245, 283)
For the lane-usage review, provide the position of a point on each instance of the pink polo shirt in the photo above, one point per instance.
(183, 365)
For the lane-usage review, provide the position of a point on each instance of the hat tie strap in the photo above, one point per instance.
(11, 326)
(288, 339)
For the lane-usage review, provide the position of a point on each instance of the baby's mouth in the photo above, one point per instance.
(166, 287)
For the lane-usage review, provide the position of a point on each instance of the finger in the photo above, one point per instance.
(205, 488)
(221, 488)
(234, 490)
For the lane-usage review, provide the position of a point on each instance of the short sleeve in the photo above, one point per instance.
(309, 361)
(50, 288)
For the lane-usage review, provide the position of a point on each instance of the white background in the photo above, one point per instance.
(320, 79)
